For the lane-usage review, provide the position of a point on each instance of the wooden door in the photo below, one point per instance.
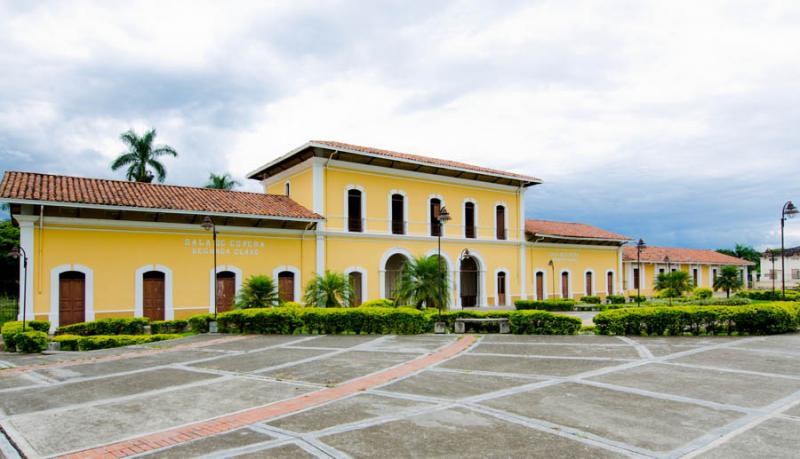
(469, 283)
(610, 283)
(565, 285)
(501, 289)
(355, 283)
(226, 291)
(71, 298)
(589, 284)
(153, 295)
(539, 286)
(286, 286)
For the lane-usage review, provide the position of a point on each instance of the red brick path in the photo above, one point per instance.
(263, 413)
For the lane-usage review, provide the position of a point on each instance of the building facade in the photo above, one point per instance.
(106, 248)
(771, 271)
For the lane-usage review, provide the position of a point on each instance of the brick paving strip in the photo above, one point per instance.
(254, 415)
(112, 358)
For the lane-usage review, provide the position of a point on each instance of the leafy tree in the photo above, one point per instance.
(141, 156)
(330, 290)
(9, 267)
(423, 282)
(221, 182)
(674, 284)
(258, 291)
(728, 280)
(745, 252)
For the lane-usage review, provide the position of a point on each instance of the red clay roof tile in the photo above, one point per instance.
(565, 229)
(679, 255)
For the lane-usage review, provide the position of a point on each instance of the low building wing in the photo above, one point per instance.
(553, 231)
(685, 256)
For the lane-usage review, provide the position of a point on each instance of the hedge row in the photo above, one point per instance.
(761, 319)
(545, 305)
(699, 302)
(106, 327)
(169, 326)
(12, 333)
(768, 295)
(90, 343)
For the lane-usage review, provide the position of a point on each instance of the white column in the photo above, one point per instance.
(26, 241)
(318, 204)
(320, 253)
(523, 262)
(620, 275)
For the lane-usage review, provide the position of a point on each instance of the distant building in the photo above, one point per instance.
(771, 269)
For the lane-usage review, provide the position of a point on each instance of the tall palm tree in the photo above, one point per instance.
(221, 182)
(141, 156)
(331, 290)
(423, 282)
(728, 280)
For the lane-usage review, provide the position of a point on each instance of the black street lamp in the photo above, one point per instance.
(788, 211)
(639, 247)
(444, 217)
(15, 253)
(553, 269)
(208, 224)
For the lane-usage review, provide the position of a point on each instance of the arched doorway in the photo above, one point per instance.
(153, 295)
(610, 283)
(539, 285)
(226, 290)
(469, 282)
(286, 286)
(356, 278)
(589, 284)
(394, 269)
(565, 285)
(71, 298)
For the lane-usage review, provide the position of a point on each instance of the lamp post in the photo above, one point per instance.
(553, 270)
(15, 253)
(208, 224)
(771, 254)
(444, 217)
(788, 211)
(669, 273)
(639, 247)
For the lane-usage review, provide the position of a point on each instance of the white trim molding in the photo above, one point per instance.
(212, 279)
(594, 283)
(297, 280)
(346, 217)
(364, 283)
(382, 266)
(482, 297)
(614, 282)
(138, 307)
(88, 293)
(561, 283)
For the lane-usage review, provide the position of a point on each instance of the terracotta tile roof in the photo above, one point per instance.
(78, 190)
(678, 255)
(566, 229)
(444, 163)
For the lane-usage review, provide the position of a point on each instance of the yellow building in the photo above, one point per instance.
(106, 248)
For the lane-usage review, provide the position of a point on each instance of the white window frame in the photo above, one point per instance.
(505, 220)
(364, 283)
(497, 287)
(428, 215)
(212, 279)
(594, 282)
(475, 218)
(88, 314)
(561, 284)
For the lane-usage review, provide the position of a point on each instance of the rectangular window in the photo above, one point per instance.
(469, 220)
(635, 277)
(436, 206)
(398, 221)
(354, 217)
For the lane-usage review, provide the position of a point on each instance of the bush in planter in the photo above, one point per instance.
(127, 326)
(616, 299)
(258, 291)
(379, 303)
(31, 341)
(702, 293)
(545, 305)
(11, 330)
(590, 299)
(90, 343)
(169, 326)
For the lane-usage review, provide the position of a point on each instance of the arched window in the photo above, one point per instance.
(398, 214)
(355, 278)
(469, 220)
(286, 286)
(393, 270)
(355, 220)
(435, 208)
(610, 282)
(539, 285)
(500, 222)
(501, 288)
(589, 284)
(288, 189)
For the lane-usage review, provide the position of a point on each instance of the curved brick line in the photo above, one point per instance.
(111, 358)
(234, 421)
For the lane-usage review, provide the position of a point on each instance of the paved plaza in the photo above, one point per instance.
(408, 396)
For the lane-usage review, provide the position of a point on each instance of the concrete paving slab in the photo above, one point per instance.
(14, 381)
(289, 451)
(789, 343)
(55, 396)
(340, 368)
(749, 360)
(58, 432)
(774, 438)
(746, 390)
(793, 411)
(569, 339)
(457, 433)
(352, 409)
(526, 366)
(339, 341)
(645, 422)
(453, 386)
(615, 352)
(253, 342)
(420, 344)
(117, 366)
(258, 360)
(661, 346)
(210, 445)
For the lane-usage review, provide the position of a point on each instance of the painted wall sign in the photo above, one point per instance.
(243, 247)
(564, 256)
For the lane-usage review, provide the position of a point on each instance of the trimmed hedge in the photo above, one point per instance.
(31, 341)
(591, 299)
(767, 295)
(616, 299)
(702, 293)
(93, 342)
(106, 327)
(696, 302)
(379, 303)
(199, 323)
(169, 326)
(545, 305)
(12, 330)
(758, 319)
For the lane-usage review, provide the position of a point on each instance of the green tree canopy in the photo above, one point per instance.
(141, 156)
(728, 280)
(258, 291)
(674, 284)
(423, 281)
(9, 267)
(745, 252)
(331, 290)
(221, 182)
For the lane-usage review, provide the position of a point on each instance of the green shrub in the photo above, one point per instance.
(694, 302)
(751, 319)
(199, 323)
(616, 299)
(291, 304)
(90, 343)
(531, 322)
(546, 305)
(68, 342)
(767, 295)
(379, 303)
(133, 326)
(258, 291)
(11, 330)
(33, 341)
(702, 293)
(632, 298)
(169, 326)
(590, 299)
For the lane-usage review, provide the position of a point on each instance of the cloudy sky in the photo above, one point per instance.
(678, 122)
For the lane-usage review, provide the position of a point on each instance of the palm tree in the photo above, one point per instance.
(728, 280)
(423, 282)
(331, 290)
(674, 284)
(141, 156)
(258, 291)
(221, 182)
